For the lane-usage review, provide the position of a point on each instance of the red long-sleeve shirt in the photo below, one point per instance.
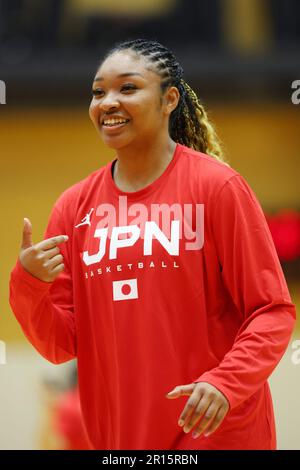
(193, 291)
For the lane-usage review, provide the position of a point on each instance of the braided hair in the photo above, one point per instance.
(189, 124)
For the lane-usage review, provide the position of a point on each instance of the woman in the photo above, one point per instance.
(158, 272)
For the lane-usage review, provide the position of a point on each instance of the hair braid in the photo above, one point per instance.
(206, 138)
(189, 123)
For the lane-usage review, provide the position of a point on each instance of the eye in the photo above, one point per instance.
(128, 87)
(97, 92)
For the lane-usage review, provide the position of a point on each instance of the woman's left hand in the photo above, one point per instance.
(206, 403)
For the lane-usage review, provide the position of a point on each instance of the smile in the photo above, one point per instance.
(114, 122)
(111, 125)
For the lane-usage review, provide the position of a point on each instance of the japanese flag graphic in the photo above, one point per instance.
(125, 290)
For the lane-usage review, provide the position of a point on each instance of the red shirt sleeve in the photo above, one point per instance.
(253, 276)
(45, 309)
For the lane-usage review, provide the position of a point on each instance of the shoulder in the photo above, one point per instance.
(232, 202)
(207, 172)
(208, 166)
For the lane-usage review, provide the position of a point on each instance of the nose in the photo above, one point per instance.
(109, 102)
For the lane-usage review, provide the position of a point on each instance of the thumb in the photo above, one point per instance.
(27, 234)
(181, 390)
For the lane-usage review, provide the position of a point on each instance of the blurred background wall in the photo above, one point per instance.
(241, 56)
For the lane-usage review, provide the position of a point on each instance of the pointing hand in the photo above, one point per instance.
(42, 260)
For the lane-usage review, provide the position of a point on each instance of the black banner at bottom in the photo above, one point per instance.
(156, 458)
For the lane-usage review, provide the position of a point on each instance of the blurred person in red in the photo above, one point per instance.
(61, 422)
(67, 419)
(285, 229)
(68, 424)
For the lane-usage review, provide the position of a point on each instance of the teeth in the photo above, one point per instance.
(113, 122)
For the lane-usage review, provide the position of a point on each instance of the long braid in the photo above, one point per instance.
(207, 137)
(189, 124)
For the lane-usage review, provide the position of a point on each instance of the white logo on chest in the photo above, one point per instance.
(151, 230)
(86, 220)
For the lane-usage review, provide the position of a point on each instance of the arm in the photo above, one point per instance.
(253, 276)
(45, 309)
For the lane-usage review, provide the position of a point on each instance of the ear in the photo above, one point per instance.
(171, 99)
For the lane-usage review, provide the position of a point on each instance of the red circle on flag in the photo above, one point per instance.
(126, 289)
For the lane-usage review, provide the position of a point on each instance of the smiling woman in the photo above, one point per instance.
(137, 99)
(154, 315)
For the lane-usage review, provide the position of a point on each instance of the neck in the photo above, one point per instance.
(138, 167)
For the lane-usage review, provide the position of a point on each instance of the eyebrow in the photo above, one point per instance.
(126, 74)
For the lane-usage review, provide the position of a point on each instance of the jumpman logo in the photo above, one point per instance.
(86, 220)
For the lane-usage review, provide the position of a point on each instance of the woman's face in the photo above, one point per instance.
(127, 106)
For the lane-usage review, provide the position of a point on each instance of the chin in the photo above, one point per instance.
(114, 144)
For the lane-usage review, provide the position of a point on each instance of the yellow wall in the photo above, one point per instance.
(47, 150)
(263, 144)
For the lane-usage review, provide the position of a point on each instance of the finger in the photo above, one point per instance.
(217, 421)
(51, 242)
(27, 234)
(51, 252)
(53, 262)
(58, 269)
(181, 391)
(207, 419)
(190, 407)
(201, 409)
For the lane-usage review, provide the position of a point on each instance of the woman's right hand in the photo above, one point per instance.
(42, 260)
